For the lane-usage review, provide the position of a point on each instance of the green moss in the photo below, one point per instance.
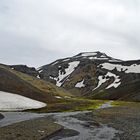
(125, 103)
(72, 105)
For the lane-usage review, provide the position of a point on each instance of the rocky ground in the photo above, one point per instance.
(124, 119)
(35, 129)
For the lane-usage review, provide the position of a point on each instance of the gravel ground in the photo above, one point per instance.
(35, 129)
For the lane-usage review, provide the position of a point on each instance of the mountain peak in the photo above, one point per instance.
(97, 53)
(95, 56)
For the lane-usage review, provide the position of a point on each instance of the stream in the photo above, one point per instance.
(85, 130)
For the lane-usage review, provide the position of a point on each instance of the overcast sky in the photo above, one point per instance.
(37, 32)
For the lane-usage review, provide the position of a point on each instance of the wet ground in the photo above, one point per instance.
(86, 130)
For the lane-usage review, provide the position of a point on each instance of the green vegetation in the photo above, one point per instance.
(125, 104)
(69, 105)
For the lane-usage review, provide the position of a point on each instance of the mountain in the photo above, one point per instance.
(25, 69)
(18, 83)
(95, 75)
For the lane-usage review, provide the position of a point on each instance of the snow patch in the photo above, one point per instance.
(54, 63)
(134, 68)
(116, 82)
(68, 71)
(14, 102)
(80, 84)
(66, 60)
(40, 70)
(98, 58)
(58, 97)
(103, 79)
(67, 97)
(88, 54)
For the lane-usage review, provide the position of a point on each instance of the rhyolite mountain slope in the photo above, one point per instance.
(16, 82)
(95, 75)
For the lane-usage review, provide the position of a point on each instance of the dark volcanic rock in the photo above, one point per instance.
(24, 69)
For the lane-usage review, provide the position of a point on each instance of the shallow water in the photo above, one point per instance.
(86, 131)
(14, 117)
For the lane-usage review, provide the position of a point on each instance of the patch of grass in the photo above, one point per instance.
(125, 104)
(70, 105)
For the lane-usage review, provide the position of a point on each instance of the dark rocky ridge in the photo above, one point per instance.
(25, 69)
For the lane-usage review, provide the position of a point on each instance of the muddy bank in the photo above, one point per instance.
(35, 129)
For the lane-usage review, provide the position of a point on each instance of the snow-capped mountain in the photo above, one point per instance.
(96, 75)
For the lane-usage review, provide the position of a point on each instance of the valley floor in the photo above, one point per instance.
(121, 122)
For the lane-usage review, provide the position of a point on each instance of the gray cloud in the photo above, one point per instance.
(37, 32)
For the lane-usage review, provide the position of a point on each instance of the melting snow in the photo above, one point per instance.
(55, 63)
(58, 97)
(98, 58)
(116, 82)
(40, 71)
(67, 97)
(87, 54)
(103, 79)
(14, 102)
(66, 60)
(127, 69)
(68, 71)
(80, 84)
